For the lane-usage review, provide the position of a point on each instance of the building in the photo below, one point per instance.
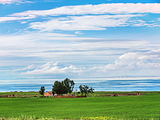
(49, 93)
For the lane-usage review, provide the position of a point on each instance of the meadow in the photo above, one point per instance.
(145, 106)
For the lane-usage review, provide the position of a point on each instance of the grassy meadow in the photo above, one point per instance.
(96, 106)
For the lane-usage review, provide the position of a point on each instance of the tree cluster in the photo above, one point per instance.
(63, 87)
(66, 86)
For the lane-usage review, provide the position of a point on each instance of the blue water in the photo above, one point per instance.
(107, 85)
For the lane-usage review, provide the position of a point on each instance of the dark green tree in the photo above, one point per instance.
(42, 90)
(91, 90)
(69, 85)
(59, 88)
(85, 89)
(81, 89)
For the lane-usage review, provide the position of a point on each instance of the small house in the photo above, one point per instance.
(49, 93)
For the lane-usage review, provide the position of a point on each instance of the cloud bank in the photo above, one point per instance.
(127, 62)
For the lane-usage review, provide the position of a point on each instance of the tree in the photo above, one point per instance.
(81, 89)
(63, 87)
(59, 88)
(91, 90)
(42, 90)
(69, 85)
(85, 89)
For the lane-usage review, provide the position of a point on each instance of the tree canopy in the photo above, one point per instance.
(85, 89)
(63, 87)
(42, 90)
(59, 88)
(69, 85)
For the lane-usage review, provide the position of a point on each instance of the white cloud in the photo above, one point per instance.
(141, 61)
(23, 22)
(138, 23)
(3, 19)
(83, 22)
(78, 32)
(14, 1)
(91, 17)
(30, 67)
(7, 1)
(137, 60)
(32, 48)
(49, 43)
(54, 68)
(114, 8)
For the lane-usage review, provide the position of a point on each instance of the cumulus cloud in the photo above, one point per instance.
(54, 68)
(14, 1)
(127, 62)
(137, 60)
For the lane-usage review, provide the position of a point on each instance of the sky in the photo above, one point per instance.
(45, 40)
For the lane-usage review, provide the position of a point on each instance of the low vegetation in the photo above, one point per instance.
(95, 106)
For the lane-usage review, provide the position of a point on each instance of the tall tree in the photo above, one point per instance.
(69, 85)
(42, 90)
(85, 89)
(91, 90)
(81, 89)
(59, 88)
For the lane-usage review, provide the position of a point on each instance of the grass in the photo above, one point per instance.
(122, 107)
(22, 94)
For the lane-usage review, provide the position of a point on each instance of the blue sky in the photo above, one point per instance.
(41, 40)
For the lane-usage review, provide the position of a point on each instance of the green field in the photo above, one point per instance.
(146, 106)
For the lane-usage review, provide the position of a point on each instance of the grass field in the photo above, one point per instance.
(123, 107)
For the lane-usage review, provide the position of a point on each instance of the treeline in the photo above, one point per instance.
(66, 87)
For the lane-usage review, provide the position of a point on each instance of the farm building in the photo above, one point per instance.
(49, 93)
